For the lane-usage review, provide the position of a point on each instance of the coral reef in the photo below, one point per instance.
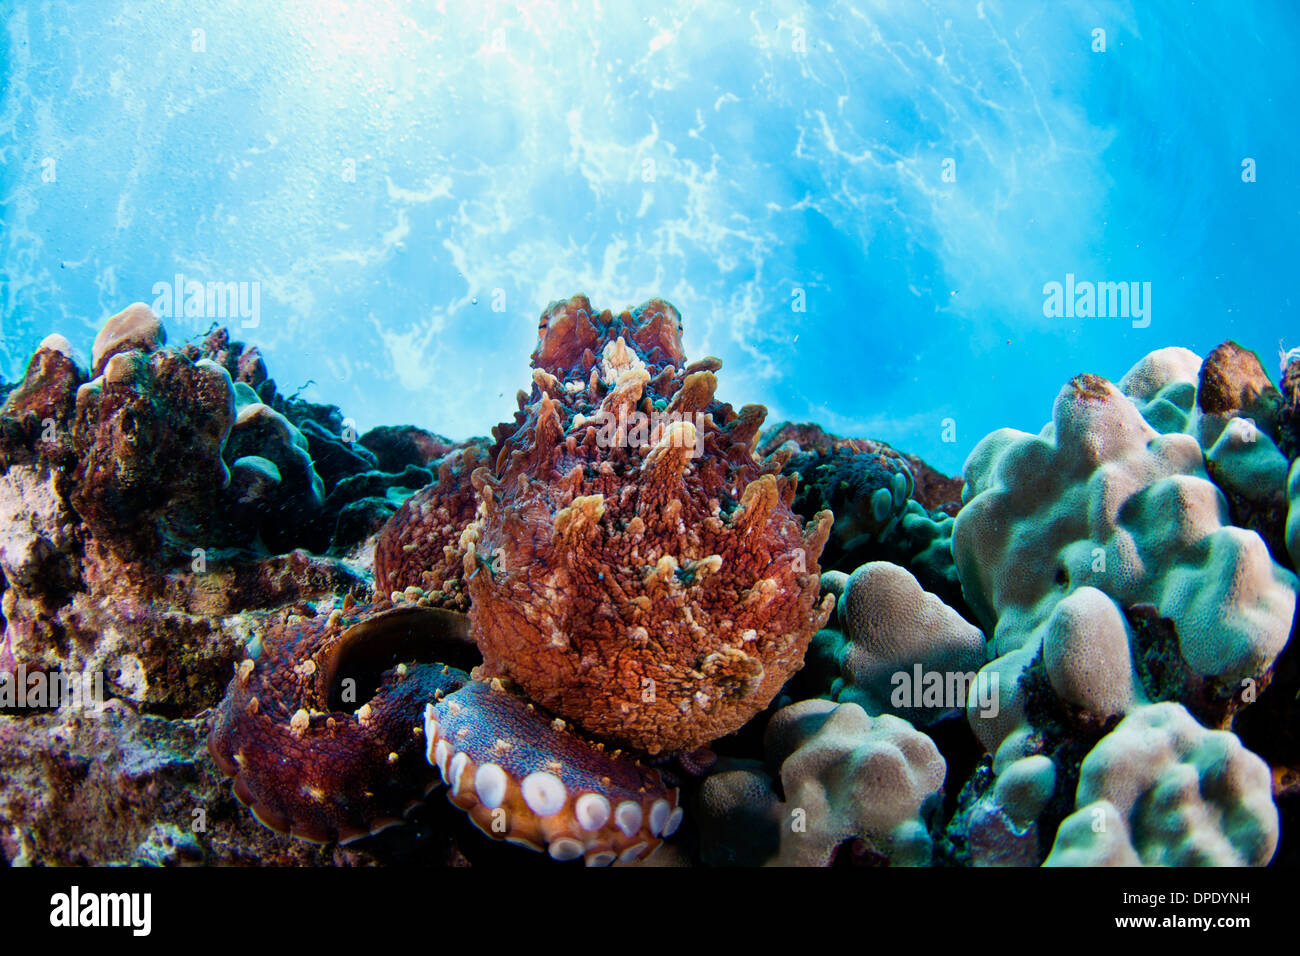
(150, 533)
(888, 629)
(148, 436)
(1168, 792)
(887, 506)
(1065, 533)
(625, 623)
(864, 483)
(1104, 558)
(396, 448)
(852, 783)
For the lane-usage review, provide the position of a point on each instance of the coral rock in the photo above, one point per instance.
(134, 328)
(1233, 384)
(397, 446)
(48, 390)
(149, 434)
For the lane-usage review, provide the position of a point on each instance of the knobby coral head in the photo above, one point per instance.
(633, 565)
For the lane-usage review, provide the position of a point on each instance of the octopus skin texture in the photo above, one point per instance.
(637, 583)
(529, 779)
(304, 763)
(642, 575)
(419, 546)
(309, 768)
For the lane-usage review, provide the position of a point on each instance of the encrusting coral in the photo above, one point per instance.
(149, 433)
(864, 483)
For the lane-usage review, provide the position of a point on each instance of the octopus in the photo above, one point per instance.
(620, 581)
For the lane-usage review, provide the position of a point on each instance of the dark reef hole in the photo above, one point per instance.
(855, 853)
(961, 751)
(1067, 736)
(414, 635)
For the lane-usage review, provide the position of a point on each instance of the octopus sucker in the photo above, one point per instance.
(551, 789)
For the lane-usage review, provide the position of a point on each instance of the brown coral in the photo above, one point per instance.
(49, 389)
(149, 434)
(634, 566)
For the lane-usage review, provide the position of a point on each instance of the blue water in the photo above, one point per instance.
(407, 189)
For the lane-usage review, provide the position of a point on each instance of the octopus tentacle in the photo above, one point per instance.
(321, 726)
(524, 776)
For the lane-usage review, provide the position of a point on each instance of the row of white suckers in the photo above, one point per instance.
(546, 795)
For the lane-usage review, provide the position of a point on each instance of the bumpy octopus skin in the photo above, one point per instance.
(527, 778)
(302, 762)
(657, 599)
(419, 546)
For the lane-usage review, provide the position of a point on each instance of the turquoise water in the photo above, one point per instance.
(400, 191)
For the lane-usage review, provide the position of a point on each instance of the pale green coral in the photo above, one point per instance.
(1161, 790)
(1103, 501)
(850, 781)
(888, 626)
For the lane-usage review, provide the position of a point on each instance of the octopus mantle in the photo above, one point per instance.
(633, 566)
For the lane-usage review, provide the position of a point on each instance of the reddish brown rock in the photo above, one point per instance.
(933, 489)
(1233, 383)
(148, 435)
